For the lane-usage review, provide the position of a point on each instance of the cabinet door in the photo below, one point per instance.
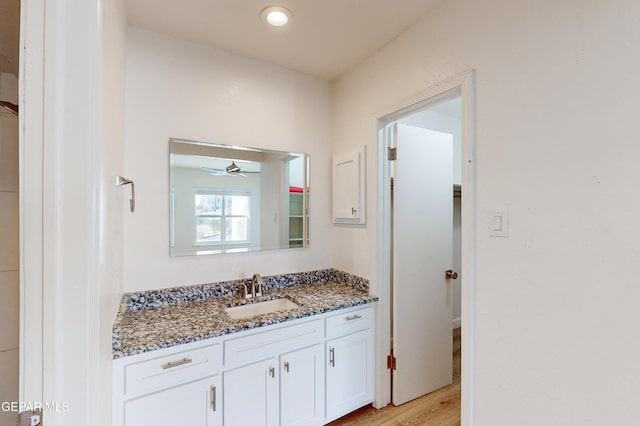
(195, 403)
(301, 396)
(348, 187)
(251, 394)
(349, 370)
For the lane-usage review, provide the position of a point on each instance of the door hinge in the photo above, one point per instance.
(391, 362)
(391, 153)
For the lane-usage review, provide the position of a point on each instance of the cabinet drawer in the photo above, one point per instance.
(269, 343)
(349, 322)
(170, 370)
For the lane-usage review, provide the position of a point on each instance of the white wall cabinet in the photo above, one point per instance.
(349, 187)
(275, 375)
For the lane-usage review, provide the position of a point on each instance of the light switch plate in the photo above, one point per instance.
(498, 223)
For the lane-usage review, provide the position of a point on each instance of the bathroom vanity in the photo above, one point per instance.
(191, 363)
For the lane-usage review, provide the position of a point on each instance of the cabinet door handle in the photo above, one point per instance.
(176, 363)
(272, 372)
(286, 366)
(213, 398)
(353, 317)
(332, 357)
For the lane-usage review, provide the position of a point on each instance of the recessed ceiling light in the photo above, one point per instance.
(276, 15)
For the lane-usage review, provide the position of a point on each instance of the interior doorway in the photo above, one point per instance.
(423, 277)
(405, 256)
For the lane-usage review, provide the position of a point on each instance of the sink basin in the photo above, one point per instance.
(260, 308)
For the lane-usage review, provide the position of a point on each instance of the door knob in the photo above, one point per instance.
(450, 274)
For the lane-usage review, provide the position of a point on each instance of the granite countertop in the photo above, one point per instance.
(143, 329)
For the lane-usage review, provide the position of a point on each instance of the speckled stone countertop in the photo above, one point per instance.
(165, 318)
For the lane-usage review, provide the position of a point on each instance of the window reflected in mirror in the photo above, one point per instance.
(228, 199)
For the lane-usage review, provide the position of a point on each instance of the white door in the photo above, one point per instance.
(422, 252)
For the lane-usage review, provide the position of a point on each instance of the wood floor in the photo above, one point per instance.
(439, 408)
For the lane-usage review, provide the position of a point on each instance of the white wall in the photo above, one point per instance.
(428, 119)
(113, 202)
(557, 89)
(272, 215)
(184, 90)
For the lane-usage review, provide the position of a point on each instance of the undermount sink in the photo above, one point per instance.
(260, 308)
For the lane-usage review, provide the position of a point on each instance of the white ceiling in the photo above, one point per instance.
(198, 162)
(324, 37)
(9, 35)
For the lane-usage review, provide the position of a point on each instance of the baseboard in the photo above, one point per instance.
(457, 322)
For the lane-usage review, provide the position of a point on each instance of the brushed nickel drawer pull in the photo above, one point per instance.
(332, 357)
(213, 398)
(272, 372)
(286, 366)
(353, 317)
(176, 363)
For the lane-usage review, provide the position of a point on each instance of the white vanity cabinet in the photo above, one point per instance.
(251, 394)
(304, 372)
(302, 386)
(349, 365)
(286, 387)
(189, 404)
(276, 391)
(169, 387)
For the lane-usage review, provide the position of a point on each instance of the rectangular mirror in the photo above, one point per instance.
(229, 199)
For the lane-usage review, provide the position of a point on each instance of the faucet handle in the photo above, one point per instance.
(245, 291)
(256, 283)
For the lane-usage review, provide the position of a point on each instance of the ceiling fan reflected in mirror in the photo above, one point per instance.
(231, 170)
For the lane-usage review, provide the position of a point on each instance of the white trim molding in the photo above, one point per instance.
(59, 308)
(464, 83)
(31, 140)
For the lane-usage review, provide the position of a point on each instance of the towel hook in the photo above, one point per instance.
(124, 181)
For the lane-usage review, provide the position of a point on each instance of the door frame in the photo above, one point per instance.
(61, 256)
(31, 145)
(465, 84)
